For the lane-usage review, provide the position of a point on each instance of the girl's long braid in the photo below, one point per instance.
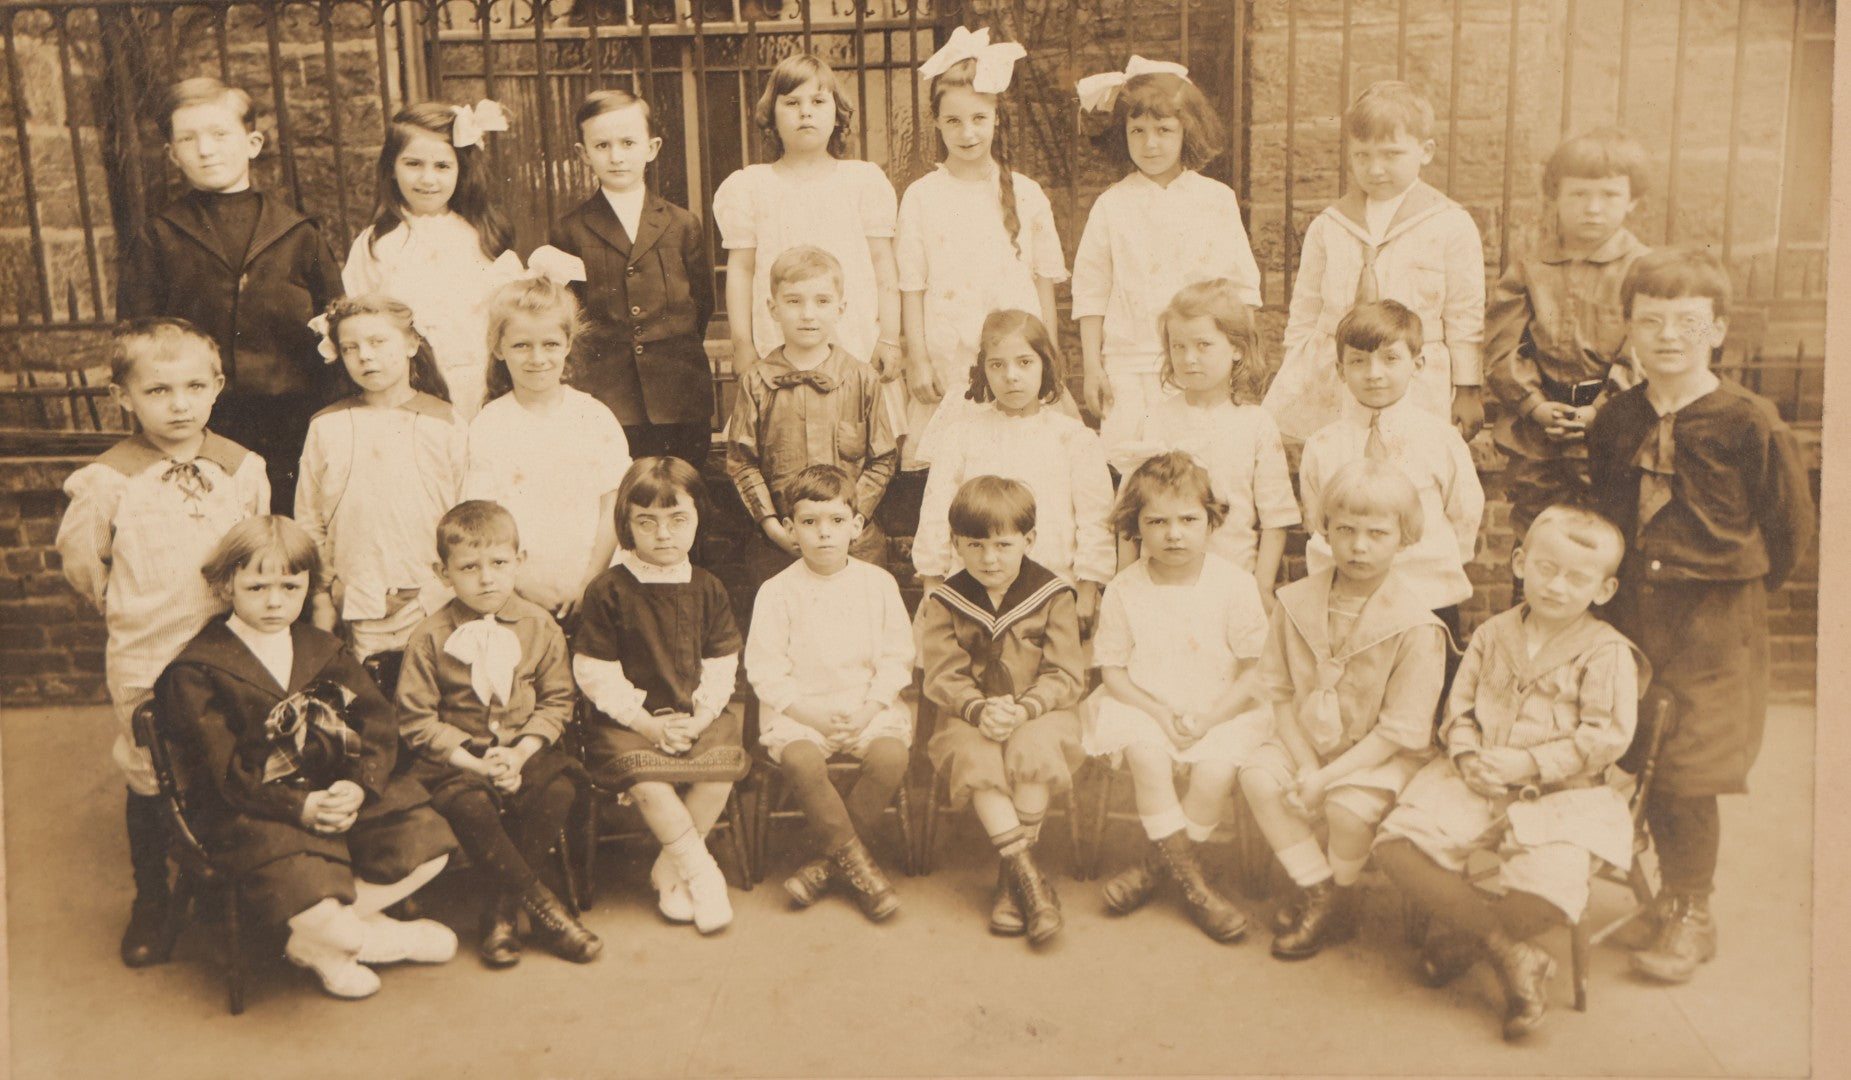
(1005, 180)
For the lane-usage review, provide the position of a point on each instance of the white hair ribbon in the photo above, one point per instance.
(556, 266)
(995, 63)
(473, 122)
(326, 347)
(1099, 92)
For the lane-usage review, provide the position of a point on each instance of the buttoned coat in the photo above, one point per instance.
(213, 700)
(646, 301)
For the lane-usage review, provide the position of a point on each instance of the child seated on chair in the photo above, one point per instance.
(1354, 664)
(484, 693)
(829, 651)
(287, 750)
(1000, 644)
(657, 655)
(1545, 699)
(1180, 639)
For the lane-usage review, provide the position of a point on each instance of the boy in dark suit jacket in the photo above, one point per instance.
(244, 267)
(648, 291)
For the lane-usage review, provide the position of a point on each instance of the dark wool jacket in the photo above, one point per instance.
(258, 312)
(213, 700)
(646, 302)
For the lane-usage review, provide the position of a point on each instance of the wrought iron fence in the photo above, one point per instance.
(1742, 158)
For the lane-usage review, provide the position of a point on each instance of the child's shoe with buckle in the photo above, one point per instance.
(1212, 912)
(1005, 913)
(1040, 904)
(1324, 920)
(874, 894)
(672, 898)
(1131, 888)
(564, 934)
(1686, 938)
(419, 941)
(712, 908)
(501, 933)
(327, 942)
(809, 883)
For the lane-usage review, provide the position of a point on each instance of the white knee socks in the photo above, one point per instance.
(1305, 863)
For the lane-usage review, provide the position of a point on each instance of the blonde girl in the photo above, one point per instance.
(974, 237)
(810, 195)
(378, 471)
(436, 242)
(1163, 226)
(1020, 437)
(1212, 360)
(553, 455)
(1180, 636)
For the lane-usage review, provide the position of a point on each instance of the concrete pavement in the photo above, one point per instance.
(822, 993)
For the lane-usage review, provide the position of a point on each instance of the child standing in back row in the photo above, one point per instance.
(436, 243)
(1163, 226)
(143, 518)
(974, 236)
(1554, 335)
(810, 195)
(648, 290)
(1711, 490)
(1392, 237)
(246, 270)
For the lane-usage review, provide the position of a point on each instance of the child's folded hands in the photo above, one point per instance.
(1477, 777)
(504, 768)
(679, 730)
(332, 811)
(1507, 766)
(999, 718)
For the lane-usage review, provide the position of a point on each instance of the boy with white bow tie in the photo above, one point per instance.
(483, 695)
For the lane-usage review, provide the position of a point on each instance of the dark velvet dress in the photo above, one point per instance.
(660, 632)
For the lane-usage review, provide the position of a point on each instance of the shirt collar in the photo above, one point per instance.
(647, 572)
(627, 205)
(515, 610)
(1616, 246)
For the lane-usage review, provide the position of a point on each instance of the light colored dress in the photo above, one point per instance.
(1143, 242)
(1060, 460)
(952, 246)
(435, 266)
(1240, 447)
(759, 207)
(550, 469)
(1181, 644)
(373, 485)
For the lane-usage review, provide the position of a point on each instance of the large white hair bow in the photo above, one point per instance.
(330, 352)
(1099, 92)
(559, 267)
(995, 63)
(474, 121)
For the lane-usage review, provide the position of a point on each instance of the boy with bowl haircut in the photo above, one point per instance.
(828, 654)
(1555, 339)
(1711, 490)
(247, 270)
(808, 402)
(1000, 645)
(484, 693)
(143, 518)
(1545, 699)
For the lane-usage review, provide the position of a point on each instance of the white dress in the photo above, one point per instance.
(1240, 447)
(373, 485)
(1142, 243)
(953, 247)
(550, 469)
(1180, 645)
(1060, 460)
(435, 266)
(759, 207)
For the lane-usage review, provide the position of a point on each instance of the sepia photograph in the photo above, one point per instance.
(913, 538)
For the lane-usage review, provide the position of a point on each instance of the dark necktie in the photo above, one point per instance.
(1373, 446)
(1657, 462)
(822, 382)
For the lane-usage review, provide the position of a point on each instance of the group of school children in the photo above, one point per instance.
(505, 492)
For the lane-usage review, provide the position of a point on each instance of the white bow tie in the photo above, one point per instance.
(491, 650)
